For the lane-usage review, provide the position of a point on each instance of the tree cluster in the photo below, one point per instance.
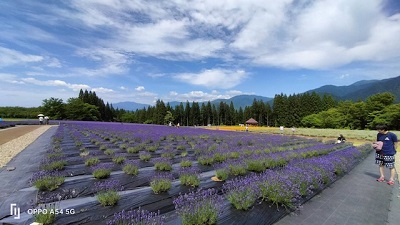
(87, 107)
(19, 112)
(377, 109)
(286, 111)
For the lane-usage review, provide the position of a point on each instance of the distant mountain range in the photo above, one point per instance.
(132, 106)
(360, 90)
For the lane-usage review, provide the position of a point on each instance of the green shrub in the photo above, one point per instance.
(186, 163)
(205, 160)
(109, 152)
(145, 157)
(222, 174)
(135, 149)
(190, 180)
(152, 148)
(92, 161)
(130, 169)
(49, 183)
(160, 185)
(108, 198)
(119, 159)
(46, 217)
(56, 165)
(101, 173)
(181, 148)
(163, 166)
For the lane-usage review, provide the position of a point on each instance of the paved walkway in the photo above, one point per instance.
(355, 199)
(9, 134)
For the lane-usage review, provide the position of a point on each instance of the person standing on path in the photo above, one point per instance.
(41, 120)
(385, 157)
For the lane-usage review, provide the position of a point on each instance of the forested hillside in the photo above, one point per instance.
(299, 110)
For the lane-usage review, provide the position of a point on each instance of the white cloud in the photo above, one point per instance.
(201, 96)
(12, 57)
(139, 88)
(215, 78)
(235, 92)
(283, 34)
(121, 96)
(102, 90)
(55, 83)
(112, 37)
(165, 39)
(320, 35)
(110, 61)
(54, 63)
(122, 88)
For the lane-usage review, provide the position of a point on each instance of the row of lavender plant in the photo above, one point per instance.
(50, 176)
(236, 167)
(285, 186)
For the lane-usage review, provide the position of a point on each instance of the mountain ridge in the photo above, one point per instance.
(359, 90)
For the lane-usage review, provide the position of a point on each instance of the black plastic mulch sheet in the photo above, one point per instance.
(75, 187)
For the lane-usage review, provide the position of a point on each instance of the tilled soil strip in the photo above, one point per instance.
(14, 140)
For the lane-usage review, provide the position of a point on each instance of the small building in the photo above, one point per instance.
(251, 122)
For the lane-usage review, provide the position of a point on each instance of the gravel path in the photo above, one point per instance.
(14, 140)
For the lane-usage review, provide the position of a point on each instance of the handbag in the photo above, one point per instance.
(377, 145)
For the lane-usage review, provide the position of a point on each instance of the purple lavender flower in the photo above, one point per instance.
(105, 166)
(242, 192)
(138, 216)
(189, 176)
(43, 174)
(200, 207)
(162, 164)
(107, 185)
(161, 182)
(102, 170)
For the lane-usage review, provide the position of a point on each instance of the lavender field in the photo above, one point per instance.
(111, 173)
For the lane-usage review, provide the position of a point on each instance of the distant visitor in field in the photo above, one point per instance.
(341, 139)
(41, 118)
(46, 120)
(293, 130)
(385, 152)
(281, 129)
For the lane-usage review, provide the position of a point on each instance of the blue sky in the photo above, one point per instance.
(191, 50)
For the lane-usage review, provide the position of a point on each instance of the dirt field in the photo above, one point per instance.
(9, 134)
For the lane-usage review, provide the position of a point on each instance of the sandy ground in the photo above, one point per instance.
(14, 140)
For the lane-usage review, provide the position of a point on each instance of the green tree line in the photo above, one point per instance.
(87, 107)
(299, 110)
(377, 109)
(286, 111)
